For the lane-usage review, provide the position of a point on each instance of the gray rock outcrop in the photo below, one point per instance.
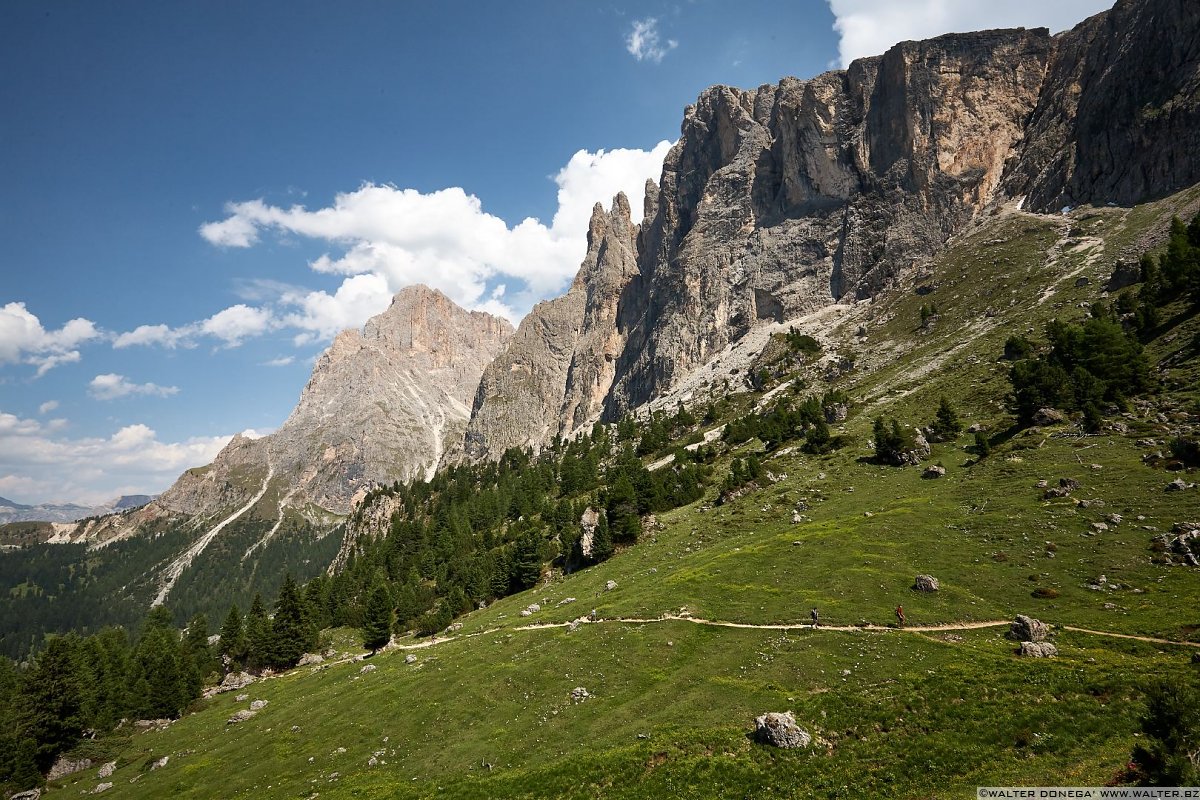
(1038, 650)
(588, 523)
(67, 766)
(926, 583)
(780, 730)
(1028, 629)
(556, 371)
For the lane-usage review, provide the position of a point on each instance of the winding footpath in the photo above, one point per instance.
(779, 626)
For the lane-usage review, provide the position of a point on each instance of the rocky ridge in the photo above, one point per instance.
(780, 201)
(382, 405)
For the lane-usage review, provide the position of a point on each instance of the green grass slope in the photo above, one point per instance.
(487, 711)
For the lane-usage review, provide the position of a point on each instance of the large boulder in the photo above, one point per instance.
(1028, 629)
(1048, 416)
(780, 730)
(236, 680)
(67, 766)
(926, 583)
(588, 523)
(1038, 649)
(918, 453)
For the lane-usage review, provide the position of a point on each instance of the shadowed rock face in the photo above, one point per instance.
(1118, 119)
(381, 406)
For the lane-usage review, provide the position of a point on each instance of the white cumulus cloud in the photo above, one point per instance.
(870, 27)
(47, 407)
(644, 42)
(110, 386)
(43, 465)
(383, 238)
(230, 326)
(23, 339)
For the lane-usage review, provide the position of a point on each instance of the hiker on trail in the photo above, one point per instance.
(592, 616)
(900, 616)
(813, 614)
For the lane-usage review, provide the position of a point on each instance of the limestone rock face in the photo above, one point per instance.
(1118, 119)
(555, 373)
(784, 199)
(780, 200)
(926, 583)
(382, 405)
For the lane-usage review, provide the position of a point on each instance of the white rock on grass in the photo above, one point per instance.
(1038, 649)
(780, 730)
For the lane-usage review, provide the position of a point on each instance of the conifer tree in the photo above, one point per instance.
(602, 543)
(291, 633)
(258, 635)
(52, 701)
(233, 636)
(946, 424)
(377, 624)
(162, 685)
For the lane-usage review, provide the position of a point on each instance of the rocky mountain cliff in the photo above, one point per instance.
(382, 405)
(781, 200)
(558, 368)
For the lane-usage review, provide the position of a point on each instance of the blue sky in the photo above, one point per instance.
(195, 196)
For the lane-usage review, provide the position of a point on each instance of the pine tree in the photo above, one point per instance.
(1171, 736)
(818, 437)
(602, 543)
(52, 701)
(26, 774)
(526, 563)
(196, 649)
(162, 685)
(258, 635)
(233, 636)
(946, 424)
(291, 633)
(377, 625)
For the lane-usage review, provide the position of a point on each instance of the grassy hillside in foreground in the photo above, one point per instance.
(488, 712)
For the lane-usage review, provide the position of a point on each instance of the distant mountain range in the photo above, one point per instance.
(11, 511)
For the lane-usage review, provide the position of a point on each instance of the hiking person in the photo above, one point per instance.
(813, 614)
(900, 616)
